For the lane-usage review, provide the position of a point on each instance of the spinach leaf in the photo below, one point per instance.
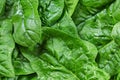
(70, 6)
(22, 67)
(27, 25)
(7, 46)
(69, 59)
(115, 33)
(59, 40)
(98, 28)
(66, 25)
(50, 11)
(109, 58)
(86, 9)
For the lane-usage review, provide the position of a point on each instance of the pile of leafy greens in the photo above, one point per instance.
(59, 39)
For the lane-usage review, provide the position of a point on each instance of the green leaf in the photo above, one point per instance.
(22, 77)
(110, 58)
(70, 6)
(21, 64)
(116, 33)
(27, 25)
(66, 25)
(86, 9)
(98, 28)
(22, 67)
(65, 58)
(6, 48)
(59, 39)
(2, 6)
(50, 11)
(118, 76)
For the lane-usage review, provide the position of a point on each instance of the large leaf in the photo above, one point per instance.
(51, 11)
(27, 25)
(6, 48)
(98, 28)
(110, 58)
(88, 8)
(65, 58)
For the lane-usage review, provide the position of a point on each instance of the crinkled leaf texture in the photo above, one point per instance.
(66, 58)
(116, 33)
(21, 64)
(50, 11)
(59, 40)
(99, 24)
(27, 25)
(70, 6)
(7, 45)
(110, 58)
